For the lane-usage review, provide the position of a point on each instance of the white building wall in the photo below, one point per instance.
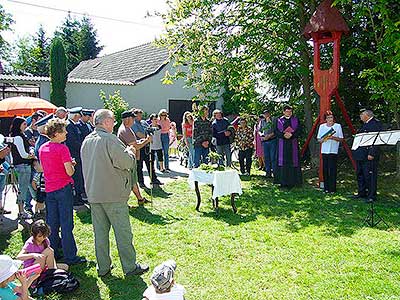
(44, 91)
(149, 94)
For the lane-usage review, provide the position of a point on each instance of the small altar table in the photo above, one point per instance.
(222, 182)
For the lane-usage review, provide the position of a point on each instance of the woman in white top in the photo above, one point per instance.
(22, 159)
(330, 135)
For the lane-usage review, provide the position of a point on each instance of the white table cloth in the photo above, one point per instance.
(225, 182)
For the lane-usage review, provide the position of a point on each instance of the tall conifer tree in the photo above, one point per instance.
(58, 73)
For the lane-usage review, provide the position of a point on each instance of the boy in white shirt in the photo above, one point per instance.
(163, 284)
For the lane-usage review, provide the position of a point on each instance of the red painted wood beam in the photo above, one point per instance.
(344, 112)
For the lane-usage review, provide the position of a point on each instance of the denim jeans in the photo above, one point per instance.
(200, 155)
(270, 156)
(165, 148)
(191, 152)
(2, 186)
(31, 194)
(24, 176)
(225, 152)
(59, 208)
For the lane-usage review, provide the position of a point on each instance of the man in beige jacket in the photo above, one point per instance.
(107, 165)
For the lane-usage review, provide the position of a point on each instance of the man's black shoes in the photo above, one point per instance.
(140, 269)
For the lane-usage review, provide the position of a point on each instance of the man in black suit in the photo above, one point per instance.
(367, 159)
(74, 143)
(84, 123)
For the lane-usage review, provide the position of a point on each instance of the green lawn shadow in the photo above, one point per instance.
(132, 287)
(143, 214)
(88, 283)
(307, 206)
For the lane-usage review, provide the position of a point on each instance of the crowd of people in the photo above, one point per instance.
(73, 157)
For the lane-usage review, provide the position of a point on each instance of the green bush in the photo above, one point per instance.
(116, 104)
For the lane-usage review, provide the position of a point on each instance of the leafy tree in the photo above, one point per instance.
(238, 44)
(69, 34)
(371, 75)
(58, 73)
(41, 53)
(116, 104)
(5, 25)
(22, 65)
(88, 44)
(80, 40)
(33, 55)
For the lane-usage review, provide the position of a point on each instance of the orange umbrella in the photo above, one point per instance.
(24, 106)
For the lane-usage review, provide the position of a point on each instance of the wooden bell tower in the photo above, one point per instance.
(326, 26)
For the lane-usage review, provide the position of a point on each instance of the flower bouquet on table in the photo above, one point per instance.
(213, 165)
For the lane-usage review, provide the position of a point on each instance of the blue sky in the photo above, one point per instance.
(113, 35)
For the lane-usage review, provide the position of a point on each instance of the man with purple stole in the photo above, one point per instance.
(287, 131)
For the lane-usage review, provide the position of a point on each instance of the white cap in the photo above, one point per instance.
(8, 267)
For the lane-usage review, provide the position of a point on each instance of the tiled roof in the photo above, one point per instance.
(326, 19)
(23, 78)
(131, 65)
(70, 80)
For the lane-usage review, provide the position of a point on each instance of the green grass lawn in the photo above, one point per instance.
(297, 244)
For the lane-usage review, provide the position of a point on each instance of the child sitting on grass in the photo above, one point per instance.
(163, 284)
(37, 248)
(9, 290)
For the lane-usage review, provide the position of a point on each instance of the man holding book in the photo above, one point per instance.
(287, 131)
(330, 135)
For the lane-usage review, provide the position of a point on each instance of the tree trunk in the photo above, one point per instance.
(306, 83)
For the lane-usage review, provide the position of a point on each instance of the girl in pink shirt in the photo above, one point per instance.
(173, 140)
(37, 248)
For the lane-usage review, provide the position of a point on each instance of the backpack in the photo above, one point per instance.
(55, 281)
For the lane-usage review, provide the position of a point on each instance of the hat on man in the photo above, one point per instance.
(75, 110)
(44, 120)
(163, 275)
(87, 112)
(127, 114)
(8, 267)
